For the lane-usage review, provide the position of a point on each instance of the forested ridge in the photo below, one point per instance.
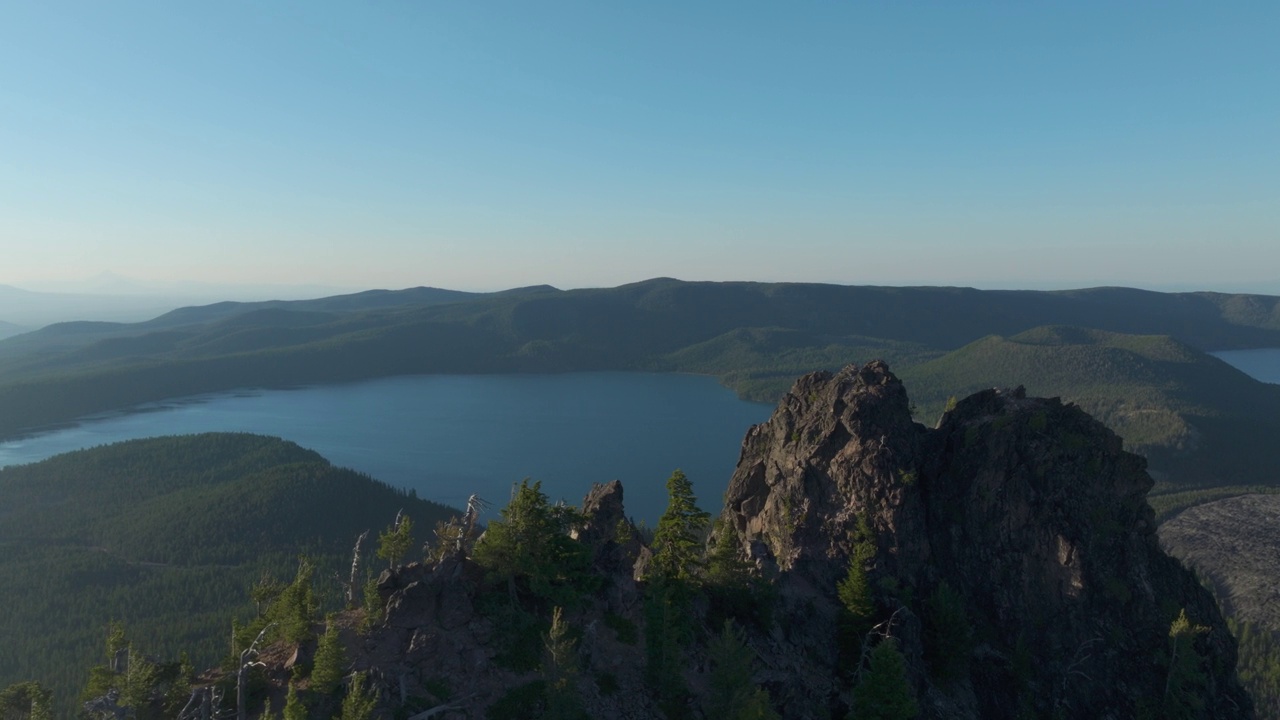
(167, 535)
(755, 337)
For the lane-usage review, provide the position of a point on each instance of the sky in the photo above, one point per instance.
(486, 145)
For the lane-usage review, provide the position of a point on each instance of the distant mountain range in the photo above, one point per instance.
(117, 299)
(1136, 358)
(8, 329)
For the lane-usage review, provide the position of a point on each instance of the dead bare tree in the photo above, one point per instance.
(248, 661)
(457, 535)
(349, 587)
(474, 506)
(432, 712)
(883, 631)
(204, 704)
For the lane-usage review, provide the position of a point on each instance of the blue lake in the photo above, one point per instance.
(448, 436)
(1262, 364)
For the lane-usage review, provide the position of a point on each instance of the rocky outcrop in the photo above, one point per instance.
(439, 643)
(1028, 509)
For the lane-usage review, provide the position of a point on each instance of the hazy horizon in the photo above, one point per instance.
(480, 147)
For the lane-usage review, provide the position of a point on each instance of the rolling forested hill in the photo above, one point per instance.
(167, 535)
(1196, 418)
(1163, 393)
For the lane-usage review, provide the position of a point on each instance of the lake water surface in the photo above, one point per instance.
(1262, 364)
(447, 436)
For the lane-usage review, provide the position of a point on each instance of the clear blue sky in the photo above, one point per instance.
(481, 145)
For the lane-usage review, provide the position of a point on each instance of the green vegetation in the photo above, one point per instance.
(294, 608)
(1195, 418)
(677, 541)
(671, 577)
(857, 606)
(948, 634)
(734, 696)
(143, 688)
(395, 541)
(176, 537)
(330, 661)
(359, 702)
(733, 591)
(882, 692)
(1184, 687)
(1168, 504)
(26, 701)
(1259, 666)
(294, 709)
(560, 672)
(529, 550)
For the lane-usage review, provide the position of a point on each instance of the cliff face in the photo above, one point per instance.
(1027, 509)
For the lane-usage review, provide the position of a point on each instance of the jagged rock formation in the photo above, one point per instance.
(1027, 508)
(437, 633)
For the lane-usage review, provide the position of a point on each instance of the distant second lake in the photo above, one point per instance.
(1261, 364)
(448, 436)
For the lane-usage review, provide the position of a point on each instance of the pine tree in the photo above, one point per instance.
(726, 567)
(667, 630)
(530, 549)
(677, 542)
(560, 670)
(734, 593)
(264, 592)
(733, 694)
(293, 707)
(677, 551)
(395, 541)
(948, 635)
(326, 670)
(857, 611)
(373, 605)
(296, 607)
(883, 692)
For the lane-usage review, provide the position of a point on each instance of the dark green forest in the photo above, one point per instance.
(167, 535)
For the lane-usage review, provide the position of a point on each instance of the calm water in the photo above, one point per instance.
(1262, 365)
(448, 436)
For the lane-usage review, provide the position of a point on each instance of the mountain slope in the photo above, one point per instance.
(167, 534)
(1197, 419)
